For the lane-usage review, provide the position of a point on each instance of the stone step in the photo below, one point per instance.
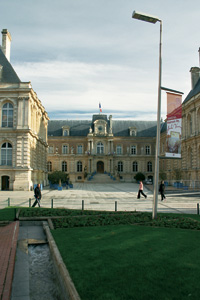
(102, 178)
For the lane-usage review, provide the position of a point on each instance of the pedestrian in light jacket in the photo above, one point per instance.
(141, 191)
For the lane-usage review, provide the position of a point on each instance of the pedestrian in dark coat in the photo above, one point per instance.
(38, 195)
(162, 190)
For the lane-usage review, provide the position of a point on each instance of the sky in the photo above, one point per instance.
(79, 53)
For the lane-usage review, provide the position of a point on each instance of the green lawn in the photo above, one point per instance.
(132, 262)
(7, 214)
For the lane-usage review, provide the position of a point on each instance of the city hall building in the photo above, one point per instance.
(102, 145)
(31, 145)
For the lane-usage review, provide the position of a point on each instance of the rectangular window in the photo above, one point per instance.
(133, 149)
(119, 149)
(80, 149)
(64, 149)
(50, 150)
(147, 150)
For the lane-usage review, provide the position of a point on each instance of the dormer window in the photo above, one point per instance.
(133, 131)
(65, 130)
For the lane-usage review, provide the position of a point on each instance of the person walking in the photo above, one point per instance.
(162, 190)
(38, 195)
(141, 191)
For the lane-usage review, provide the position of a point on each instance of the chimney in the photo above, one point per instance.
(6, 42)
(195, 74)
(110, 119)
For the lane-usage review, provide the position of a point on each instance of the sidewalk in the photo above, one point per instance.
(104, 197)
(8, 245)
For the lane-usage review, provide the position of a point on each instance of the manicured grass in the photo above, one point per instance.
(126, 262)
(7, 214)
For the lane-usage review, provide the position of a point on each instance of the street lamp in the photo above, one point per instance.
(152, 19)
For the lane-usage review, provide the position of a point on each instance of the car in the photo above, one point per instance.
(148, 182)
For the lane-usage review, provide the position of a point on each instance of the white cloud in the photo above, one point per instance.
(74, 85)
(77, 53)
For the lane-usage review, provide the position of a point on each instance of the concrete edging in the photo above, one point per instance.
(64, 277)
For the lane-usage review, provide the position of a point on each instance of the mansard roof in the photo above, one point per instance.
(77, 128)
(195, 91)
(119, 128)
(8, 73)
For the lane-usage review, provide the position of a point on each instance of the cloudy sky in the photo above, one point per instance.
(77, 53)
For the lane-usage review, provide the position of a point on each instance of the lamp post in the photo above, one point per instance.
(152, 19)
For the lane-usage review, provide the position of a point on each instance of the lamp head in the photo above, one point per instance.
(144, 17)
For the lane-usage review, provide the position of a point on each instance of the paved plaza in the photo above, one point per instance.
(105, 197)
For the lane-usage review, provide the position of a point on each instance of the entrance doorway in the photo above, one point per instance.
(5, 183)
(100, 167)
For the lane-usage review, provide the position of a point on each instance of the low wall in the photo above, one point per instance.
(67, 285)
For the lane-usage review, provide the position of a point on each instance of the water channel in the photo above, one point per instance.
(42, 276)
(35, 276)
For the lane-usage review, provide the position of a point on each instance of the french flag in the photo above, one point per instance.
(100, 107)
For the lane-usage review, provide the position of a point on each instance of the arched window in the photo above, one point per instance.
(7, 115)
(64, 166)
(120, 166)
(79, 166)
(135, 166)
(149, 166)
(49, 166)
(100, 148)
(189, 125)
(6, 154)
(66, 132)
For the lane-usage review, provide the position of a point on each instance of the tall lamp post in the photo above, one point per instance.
(152, 19)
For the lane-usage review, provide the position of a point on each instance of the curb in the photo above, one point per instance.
(69, 290)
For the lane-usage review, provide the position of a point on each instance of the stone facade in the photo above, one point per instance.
(191, 130)
(23, 130)
(121, 148)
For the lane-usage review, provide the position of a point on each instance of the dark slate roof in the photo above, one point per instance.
(8, 73)
(77, 128)
(193, 92)
(120, 128)
(144, 128)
